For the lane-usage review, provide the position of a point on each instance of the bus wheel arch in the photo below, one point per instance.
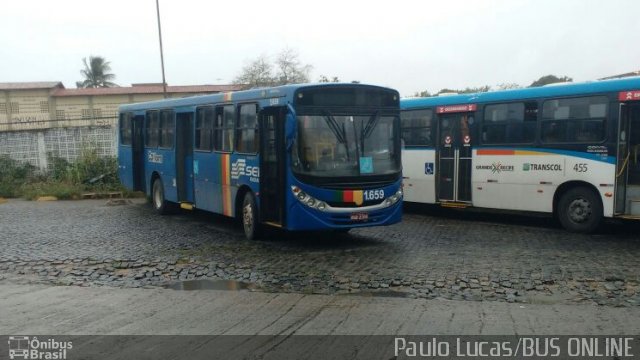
(578, 206)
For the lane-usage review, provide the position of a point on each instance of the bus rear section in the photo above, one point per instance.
(321, 157)
(570, 150)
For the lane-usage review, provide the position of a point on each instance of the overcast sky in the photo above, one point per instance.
(407, 45)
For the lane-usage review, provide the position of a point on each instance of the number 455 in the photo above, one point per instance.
(580, 168)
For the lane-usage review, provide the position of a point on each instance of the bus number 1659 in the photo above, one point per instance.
(373, 195)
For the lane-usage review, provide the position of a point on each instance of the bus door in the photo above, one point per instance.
(272, 166)
(628, 155)
(455, 153)
(184, 157)
(137, 144)
(634, 144)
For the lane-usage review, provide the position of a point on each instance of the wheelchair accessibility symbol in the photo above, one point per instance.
(428, 168)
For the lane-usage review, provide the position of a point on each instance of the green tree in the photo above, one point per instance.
(96, 73)
(550, 79)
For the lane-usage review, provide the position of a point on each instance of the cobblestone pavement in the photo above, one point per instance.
(462, 256)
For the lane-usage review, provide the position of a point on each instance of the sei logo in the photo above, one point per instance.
(240, 168)
(252, 171)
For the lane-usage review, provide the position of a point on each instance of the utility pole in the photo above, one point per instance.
(164, 82)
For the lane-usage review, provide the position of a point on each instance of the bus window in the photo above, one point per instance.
(511, 123)
(574, 120)
(336, 145)
(223, 129)
(247, 132)
(151, 129)
(416, 127)
(166, 129)
(204, 128)
(319, 148)
(125, 129)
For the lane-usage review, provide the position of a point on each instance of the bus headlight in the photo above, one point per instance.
(307, 199)
(394, 198)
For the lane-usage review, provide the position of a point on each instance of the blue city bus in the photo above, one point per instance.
(296, 157)
(572, 150)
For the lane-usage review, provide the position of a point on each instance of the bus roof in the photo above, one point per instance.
(286, 91)
(592, 87)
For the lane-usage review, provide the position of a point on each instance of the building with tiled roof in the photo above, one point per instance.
(48, 104)
(30, 85)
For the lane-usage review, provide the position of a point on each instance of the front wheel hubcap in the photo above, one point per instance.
(579, 210)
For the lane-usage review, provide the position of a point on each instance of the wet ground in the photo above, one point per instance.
(431, 254)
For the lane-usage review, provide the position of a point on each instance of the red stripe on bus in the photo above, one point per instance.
(347, 196)
(496, 152)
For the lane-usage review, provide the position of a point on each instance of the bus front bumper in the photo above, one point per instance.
(302, 217)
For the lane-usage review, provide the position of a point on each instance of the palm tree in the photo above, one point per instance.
(96, 73)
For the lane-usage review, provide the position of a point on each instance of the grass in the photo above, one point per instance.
(64, 180)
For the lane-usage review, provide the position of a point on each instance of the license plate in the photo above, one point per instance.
(359, 216)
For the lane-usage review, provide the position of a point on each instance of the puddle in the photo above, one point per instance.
(208, 284)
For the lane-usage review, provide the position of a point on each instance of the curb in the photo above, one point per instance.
(47, 198)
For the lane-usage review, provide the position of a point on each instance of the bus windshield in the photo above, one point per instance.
(332, 145)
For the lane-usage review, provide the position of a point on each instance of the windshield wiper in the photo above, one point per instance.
(371, 124)
(334, 127)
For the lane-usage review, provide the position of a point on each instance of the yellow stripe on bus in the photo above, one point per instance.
(225, 165)
(357, 197)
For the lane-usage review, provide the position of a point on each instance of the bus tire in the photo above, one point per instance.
(249, 217)
(580, 210)
(160, 204)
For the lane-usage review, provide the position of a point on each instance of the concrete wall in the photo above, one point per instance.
(24, 109)
(36, 122)
(33, 146)
(37, 109)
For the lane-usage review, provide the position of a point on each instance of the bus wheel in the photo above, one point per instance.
(161, 205)
(580, 210)
(250, 221)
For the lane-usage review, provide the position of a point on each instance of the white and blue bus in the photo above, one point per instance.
(572, 150)
(297, 157)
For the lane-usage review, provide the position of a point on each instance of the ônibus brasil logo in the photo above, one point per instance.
(25, 347)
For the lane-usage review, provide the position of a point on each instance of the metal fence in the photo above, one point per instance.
(33, 146)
